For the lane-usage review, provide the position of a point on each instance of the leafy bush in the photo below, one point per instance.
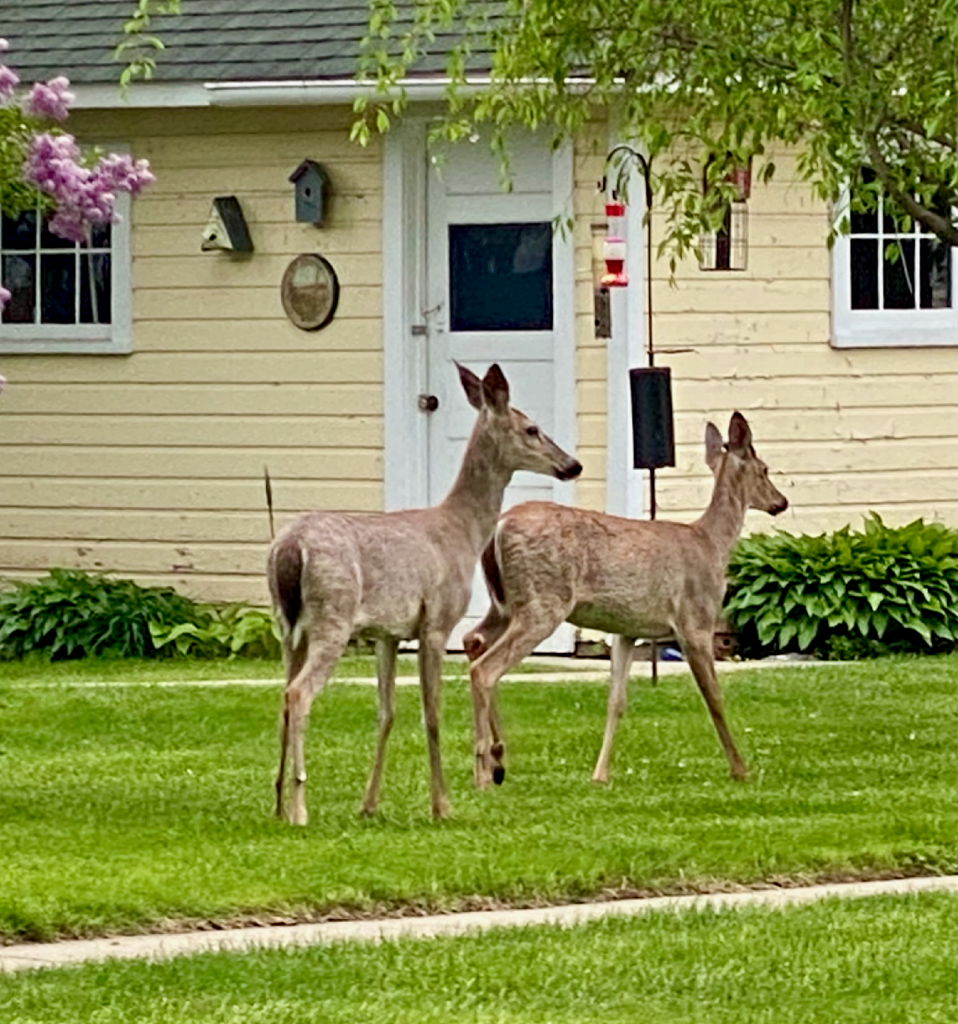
(847, 594)
(233, 630)
(74, 614)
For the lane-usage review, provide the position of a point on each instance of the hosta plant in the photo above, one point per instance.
(846, 594)
(75, 614)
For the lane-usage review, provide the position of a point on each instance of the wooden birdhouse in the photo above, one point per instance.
(310, 181)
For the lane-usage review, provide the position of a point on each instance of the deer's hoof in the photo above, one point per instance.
(498, 774)
(740, 774)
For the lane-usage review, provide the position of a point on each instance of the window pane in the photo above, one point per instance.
(20, 232)
(100, 236)
(864, 273)
(48, 240)
(19, 276)
(100, 313)
(58, 289)
(935, 283)
(899, 284)
(903, 226)
(500, 277)
(864, 223)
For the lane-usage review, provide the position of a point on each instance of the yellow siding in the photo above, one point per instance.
(152, 464)
(844, 431)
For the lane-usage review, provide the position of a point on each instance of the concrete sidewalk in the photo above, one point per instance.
(596, 672)
(158, 947)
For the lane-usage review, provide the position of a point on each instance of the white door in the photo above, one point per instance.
(494, 270)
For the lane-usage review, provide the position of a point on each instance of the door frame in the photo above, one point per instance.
(405, 332)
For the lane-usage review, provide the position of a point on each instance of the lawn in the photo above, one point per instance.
(126, 807)
(887, 959)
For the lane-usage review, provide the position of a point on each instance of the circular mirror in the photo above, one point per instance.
(310, 291)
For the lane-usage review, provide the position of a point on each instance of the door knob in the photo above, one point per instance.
(428, 403)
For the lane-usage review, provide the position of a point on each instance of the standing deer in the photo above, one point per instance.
(396, 576)
(548, 563)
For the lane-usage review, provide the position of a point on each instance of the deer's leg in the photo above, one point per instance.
(386, 671)
(697, 648)
(324, 650)
(432, 647)
(623, 649)
(293, 658)
(521, 637)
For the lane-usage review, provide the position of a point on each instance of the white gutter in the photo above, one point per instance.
(292, 92)
(326, 91)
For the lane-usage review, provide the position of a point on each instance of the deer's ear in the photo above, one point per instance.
(739, 433)
(495, 388)
(472, 386)
(713, 445)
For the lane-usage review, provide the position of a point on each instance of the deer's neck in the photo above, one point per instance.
(475, 499)
(724, 518)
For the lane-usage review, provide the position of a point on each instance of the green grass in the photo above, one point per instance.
(887, 959)
(121, 807)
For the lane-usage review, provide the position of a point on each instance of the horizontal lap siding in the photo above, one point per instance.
(844, 432)
(152, 465)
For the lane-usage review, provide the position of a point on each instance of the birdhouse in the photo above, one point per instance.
(310, 181)
(226, 229)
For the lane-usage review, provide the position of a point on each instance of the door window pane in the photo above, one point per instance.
(500, 277)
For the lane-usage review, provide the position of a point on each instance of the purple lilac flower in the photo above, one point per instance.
(9, 80)
(83, 195)
(49, 100)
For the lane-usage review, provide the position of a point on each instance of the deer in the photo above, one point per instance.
(651, 579)
(394, 576)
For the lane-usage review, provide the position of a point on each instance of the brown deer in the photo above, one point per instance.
(548, 563)
(396, 576)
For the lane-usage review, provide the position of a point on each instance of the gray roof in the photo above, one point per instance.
(211, 41)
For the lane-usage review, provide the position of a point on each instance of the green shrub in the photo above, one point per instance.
(74, 614)
(230, 631)
(846, 594)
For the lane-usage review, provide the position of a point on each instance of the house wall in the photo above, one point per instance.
(843, 431)
(152, 464)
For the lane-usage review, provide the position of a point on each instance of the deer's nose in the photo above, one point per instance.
(779, 507)
(571, 472)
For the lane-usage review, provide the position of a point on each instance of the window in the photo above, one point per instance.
(65, 297)
(500, 277)
(906, 301)
(726, 248)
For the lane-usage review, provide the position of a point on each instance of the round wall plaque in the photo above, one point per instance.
(310, 291)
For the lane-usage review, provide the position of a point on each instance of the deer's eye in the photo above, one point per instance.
(532, 431)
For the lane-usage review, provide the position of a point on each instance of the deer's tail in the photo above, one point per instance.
(286, 573)
(490, 569)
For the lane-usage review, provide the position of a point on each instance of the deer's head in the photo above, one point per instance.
(518, 441)
(747, 473)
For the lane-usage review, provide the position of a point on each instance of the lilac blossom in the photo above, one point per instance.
(49, 100)
(83, 195)
(9, 80)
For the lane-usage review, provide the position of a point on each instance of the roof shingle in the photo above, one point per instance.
(211, 41)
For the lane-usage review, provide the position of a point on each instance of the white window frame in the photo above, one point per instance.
(885, 328)
(114, 338)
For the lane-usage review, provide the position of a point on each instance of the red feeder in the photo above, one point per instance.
(613, 248)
